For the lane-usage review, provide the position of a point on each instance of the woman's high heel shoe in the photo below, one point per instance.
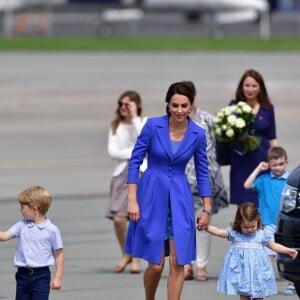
(122, 265)
(201, 274)
(188, 272)
(135, 266)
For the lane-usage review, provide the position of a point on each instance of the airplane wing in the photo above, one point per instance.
(205, 5)
(17, 4)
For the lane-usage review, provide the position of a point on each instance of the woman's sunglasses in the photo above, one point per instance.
(120, 103)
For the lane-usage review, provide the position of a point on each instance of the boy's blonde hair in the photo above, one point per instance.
(36, 196)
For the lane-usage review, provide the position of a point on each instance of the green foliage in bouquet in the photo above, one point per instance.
(233, 124)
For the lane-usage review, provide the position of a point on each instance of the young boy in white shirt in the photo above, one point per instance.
(40, 246)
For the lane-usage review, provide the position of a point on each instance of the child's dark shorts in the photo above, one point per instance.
(33, 283)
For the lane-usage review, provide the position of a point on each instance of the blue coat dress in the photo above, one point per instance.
(164, 184)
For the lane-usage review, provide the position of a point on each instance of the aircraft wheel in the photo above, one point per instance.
(104, 30)
(192, 16)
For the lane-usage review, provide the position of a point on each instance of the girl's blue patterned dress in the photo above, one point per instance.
(247, 269)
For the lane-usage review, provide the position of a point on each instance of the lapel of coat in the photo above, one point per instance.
(189, 139)
(163, 135)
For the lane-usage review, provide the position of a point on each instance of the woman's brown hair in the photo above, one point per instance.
(263, 97)
(134, 97)
(186, 88)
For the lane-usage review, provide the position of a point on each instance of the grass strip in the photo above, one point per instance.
(148, 44)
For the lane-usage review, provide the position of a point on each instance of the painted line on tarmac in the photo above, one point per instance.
(54, 163)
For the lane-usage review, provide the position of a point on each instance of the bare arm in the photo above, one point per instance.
(223, 233)
(273, 142)
(282, 249)
(59, 263)
(5, 236)
(133, 207)
(262, 166)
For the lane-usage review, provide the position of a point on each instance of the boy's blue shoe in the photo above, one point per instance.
(290, 289)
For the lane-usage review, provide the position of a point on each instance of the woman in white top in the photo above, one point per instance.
(122, 136)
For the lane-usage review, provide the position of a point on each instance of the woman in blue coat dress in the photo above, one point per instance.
(160, 204)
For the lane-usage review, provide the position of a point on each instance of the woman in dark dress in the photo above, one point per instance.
(252, 89)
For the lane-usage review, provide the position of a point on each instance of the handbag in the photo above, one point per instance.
(223, 153)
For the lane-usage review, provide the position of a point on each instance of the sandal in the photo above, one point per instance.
(188, 272)
(122, 265)
(135, 266)
(290, 289)
(201, 274)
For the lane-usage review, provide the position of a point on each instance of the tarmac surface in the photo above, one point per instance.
(55, 111)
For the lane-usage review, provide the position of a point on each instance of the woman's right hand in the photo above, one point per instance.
(133, 210)
(132, 109)
(243, 137)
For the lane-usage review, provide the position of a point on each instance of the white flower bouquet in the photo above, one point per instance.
(233, 124)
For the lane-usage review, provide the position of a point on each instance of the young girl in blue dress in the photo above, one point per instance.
(247, 270)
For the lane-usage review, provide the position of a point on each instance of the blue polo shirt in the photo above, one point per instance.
(37, 243)
(269, 188)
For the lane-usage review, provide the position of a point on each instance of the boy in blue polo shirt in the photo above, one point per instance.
(40, 246)
(269, 187)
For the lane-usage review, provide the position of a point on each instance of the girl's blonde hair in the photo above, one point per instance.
(36, 196)
(246, 212)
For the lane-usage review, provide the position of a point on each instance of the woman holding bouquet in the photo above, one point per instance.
(252, 90)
